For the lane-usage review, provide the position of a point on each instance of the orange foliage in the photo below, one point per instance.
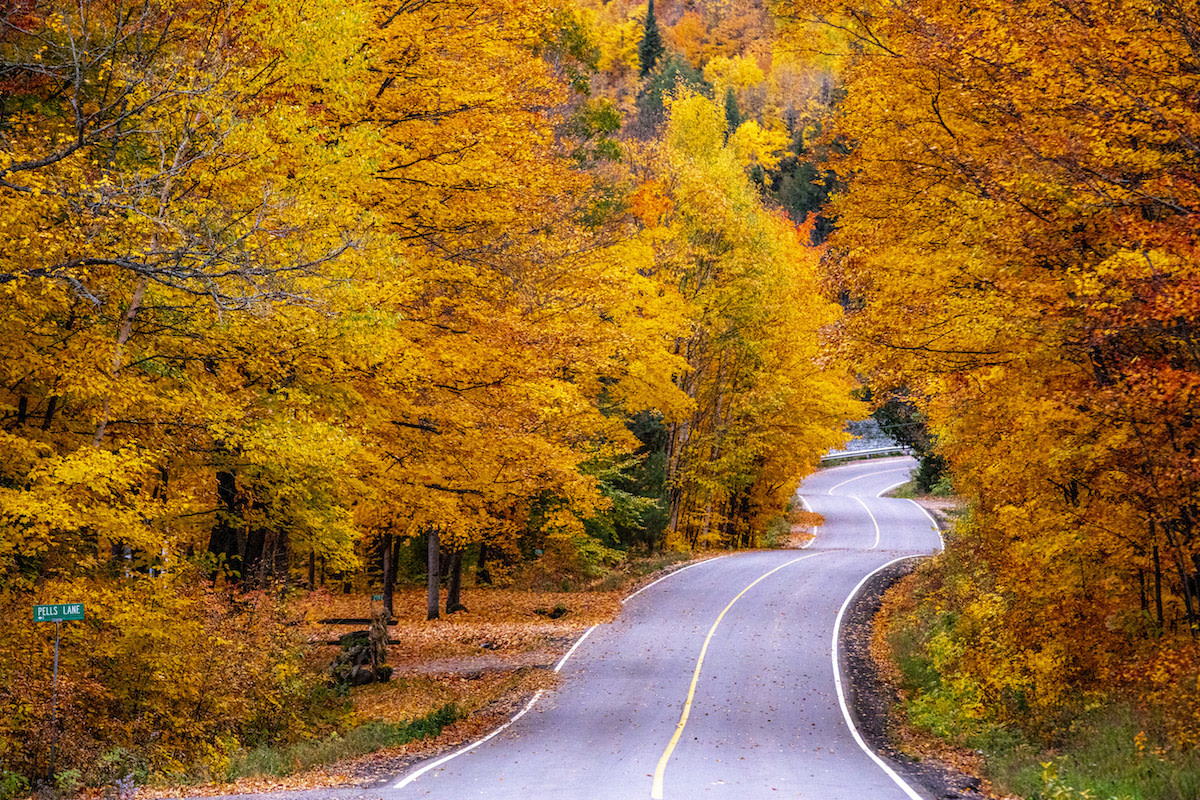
(1019, 244)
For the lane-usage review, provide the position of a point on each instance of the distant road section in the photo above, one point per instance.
(717, 682)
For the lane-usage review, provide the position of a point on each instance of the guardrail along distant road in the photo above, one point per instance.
(867, 452)
(716, 682)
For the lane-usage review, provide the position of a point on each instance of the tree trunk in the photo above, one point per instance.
(51, 404)
(123, 335)
(281, 560)
(1142, 591)
(389, 574)
(675, 447)
(252, 543)
(482, 575)
(1185, 587)
(223, 540)
(454, 585)
(1158, 603)
(435, 576)
(312, 570)
(264, 570)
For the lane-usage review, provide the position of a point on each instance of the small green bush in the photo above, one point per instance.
(68, 781)
(12, 784)
(777, 533)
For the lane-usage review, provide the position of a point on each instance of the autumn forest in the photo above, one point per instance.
(352, 295)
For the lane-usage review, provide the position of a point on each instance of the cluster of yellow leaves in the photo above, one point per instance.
(175, 671)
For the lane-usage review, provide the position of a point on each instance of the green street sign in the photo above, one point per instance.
(377, 598)
(58, 612)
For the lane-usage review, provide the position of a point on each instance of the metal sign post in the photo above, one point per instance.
(56, 613)
(54, 705)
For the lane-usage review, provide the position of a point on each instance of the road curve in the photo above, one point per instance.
(738, 649)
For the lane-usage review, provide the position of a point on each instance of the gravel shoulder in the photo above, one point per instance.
(872, 701)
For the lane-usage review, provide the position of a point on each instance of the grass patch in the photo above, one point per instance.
(276, 762)
(905, 491)
(12, 784)
(1106, 754)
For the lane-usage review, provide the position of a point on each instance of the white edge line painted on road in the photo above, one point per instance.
(571, 652)
(557, 667)
(656, 790)
(668, 575)
(413, 776)
(841, 694)
(932, 521)
(808, 508)
(866, 475)
(874, 521)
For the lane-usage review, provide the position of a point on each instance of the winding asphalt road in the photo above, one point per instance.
(717, 681)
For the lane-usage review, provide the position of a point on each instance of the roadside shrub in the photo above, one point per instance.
(1170, 679)
(12, 784)
(979, 669)
(776, 533)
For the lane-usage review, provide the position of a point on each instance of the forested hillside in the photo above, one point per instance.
(292, 291)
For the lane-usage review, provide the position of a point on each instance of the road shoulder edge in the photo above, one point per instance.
(869, 700)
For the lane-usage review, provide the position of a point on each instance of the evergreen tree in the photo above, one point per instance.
(672, 72)
(651, 48)
(733, 115)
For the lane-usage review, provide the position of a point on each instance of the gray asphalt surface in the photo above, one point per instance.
(764, 721)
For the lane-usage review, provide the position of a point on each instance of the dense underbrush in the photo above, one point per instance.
(1129, 733)
(162, 678)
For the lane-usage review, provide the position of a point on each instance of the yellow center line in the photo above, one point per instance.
(656, 793)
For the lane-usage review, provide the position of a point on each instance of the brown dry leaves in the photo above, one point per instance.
(473, 658)
(499, 623)
(488, 660)
(485, 660)
(804, 527)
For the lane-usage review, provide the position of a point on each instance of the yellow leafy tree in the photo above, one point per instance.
(765, 405)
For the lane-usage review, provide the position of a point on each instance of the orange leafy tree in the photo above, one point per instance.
(1019, 244)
